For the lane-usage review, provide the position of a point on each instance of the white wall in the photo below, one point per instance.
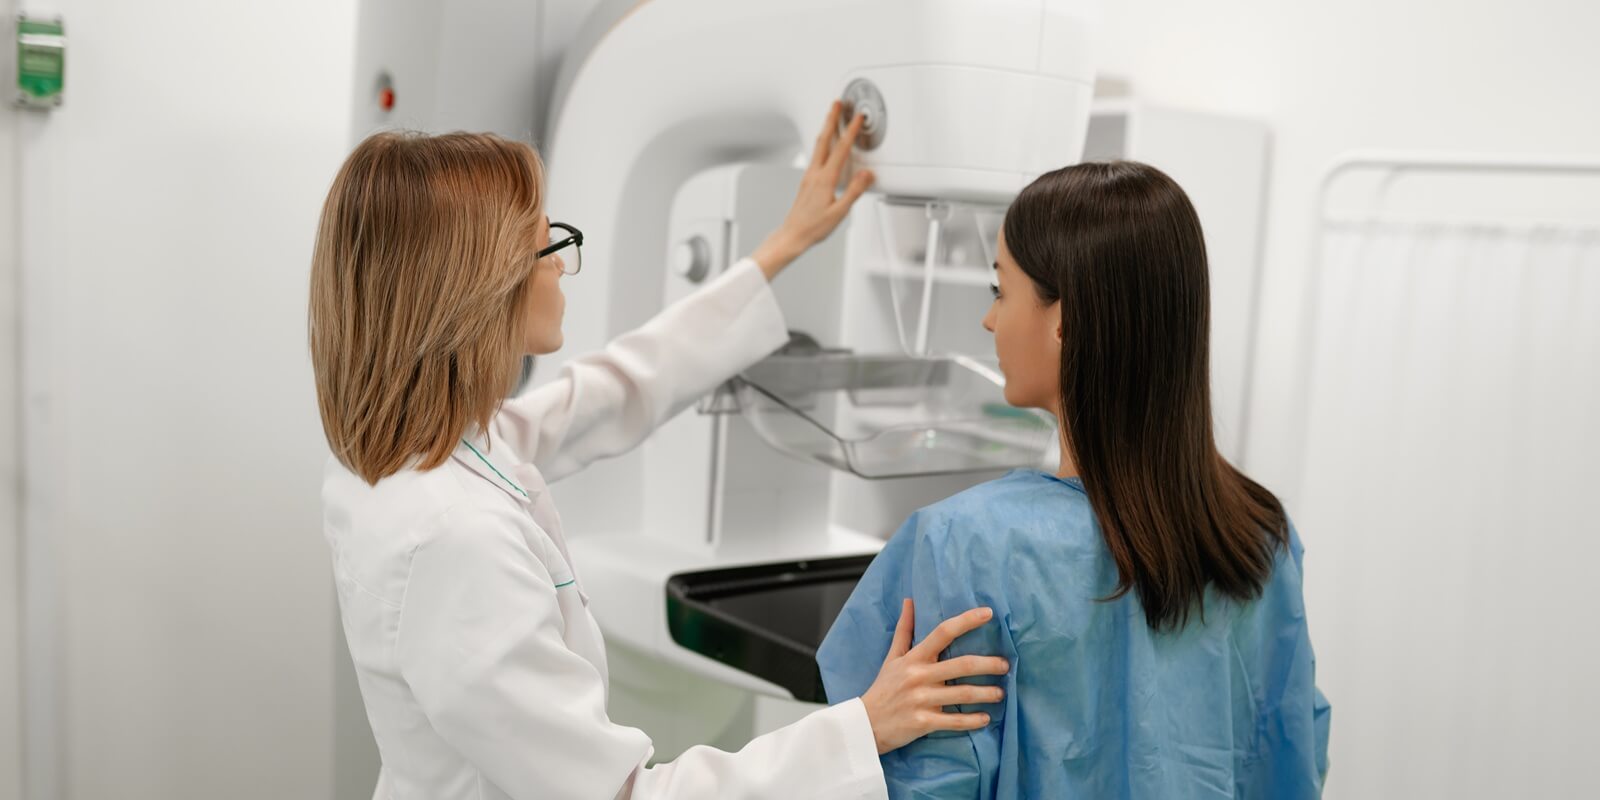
(1331, 77)
(175, 451)
(10, 426)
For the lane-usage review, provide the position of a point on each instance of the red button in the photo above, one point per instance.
(386, 99)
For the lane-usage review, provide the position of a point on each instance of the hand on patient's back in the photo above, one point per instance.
(907, 700)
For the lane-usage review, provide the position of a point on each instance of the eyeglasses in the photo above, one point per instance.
(574, 240)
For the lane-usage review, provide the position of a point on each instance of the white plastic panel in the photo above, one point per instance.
(1067, 46)
(1221, 163)
(476, 65)
(965, 133)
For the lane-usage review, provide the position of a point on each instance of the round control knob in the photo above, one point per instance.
(691, 259)
(861, 96)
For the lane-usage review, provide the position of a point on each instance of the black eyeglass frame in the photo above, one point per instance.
(574, 239)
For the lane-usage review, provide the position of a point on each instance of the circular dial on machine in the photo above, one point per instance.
(691, 258)
(861, 96)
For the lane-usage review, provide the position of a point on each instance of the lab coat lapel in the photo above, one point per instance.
(477, 456)
(543, 509)
(525, 485)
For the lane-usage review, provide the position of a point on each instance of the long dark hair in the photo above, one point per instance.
(1119, 246)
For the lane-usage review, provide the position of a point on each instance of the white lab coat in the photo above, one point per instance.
(482, 670)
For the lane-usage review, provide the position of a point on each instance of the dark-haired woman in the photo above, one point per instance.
(1147, 594)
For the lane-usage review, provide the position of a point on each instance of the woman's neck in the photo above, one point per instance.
(1067, 468)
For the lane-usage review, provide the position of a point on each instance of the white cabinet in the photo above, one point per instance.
(1221, 162)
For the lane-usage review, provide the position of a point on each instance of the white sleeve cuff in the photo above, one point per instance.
(861, 745)
(745, 282)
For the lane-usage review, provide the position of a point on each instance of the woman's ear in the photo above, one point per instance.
(1055, 319)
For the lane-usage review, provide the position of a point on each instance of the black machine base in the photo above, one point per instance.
(767, 620)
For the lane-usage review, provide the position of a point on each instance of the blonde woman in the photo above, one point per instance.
(482, 670)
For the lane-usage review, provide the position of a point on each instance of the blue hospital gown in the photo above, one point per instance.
(1097, 704)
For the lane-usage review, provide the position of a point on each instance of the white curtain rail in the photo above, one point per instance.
(1529, 226)
(1398, 163)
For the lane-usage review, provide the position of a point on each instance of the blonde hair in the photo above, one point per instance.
(418, 278)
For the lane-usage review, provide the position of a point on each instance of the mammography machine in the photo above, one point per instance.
(718, 554)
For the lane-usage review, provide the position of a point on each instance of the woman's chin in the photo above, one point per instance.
(1017, 398)
(548, 346)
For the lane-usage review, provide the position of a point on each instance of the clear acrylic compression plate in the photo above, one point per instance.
(889, 416)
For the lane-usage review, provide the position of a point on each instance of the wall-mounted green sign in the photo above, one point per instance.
(41, 61)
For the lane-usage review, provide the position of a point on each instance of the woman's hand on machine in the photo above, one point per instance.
(818, 207)
(907, 700)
